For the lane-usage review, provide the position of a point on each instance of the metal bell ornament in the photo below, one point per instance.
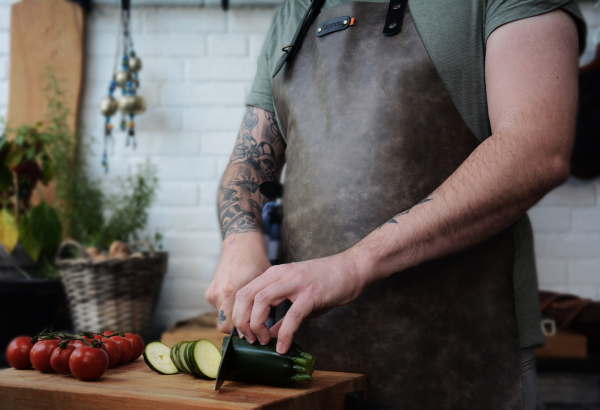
(126, 78)
(108, 106)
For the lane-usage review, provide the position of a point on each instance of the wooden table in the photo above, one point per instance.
(135, 386)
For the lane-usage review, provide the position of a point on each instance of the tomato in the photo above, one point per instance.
(107, 333)
(138, 345)
(113, 351)
(126, 348)
(76, 343)
(17, 353)
(40, 355)
(60, 359)
(88, 363)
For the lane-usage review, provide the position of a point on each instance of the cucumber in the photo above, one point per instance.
(263, 365)
(158, 358)
(206, 358)
(181, 354)
(174, 357)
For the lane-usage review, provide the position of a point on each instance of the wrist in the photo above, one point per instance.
(371, 263)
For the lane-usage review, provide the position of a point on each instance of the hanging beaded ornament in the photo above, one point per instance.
(126, 78)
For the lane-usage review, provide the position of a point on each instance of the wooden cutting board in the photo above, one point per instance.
(135, 386)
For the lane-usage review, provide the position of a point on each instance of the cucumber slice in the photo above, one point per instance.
(207, 358)
(174, 357)
(158, 357)
(181, 355)
(190, 359)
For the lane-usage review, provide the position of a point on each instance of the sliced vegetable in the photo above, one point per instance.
(174, 357)
(181, 354)
(206, 358)
(158, 357)
(263, 365)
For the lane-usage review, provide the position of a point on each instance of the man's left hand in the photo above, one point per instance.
(314, 287)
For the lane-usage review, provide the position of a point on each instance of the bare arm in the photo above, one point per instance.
(531, 78)
(258, 156)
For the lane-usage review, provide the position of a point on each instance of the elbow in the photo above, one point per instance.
(557, 171)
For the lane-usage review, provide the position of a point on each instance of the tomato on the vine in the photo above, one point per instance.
(60, 359)
(126, 348)
(40, 355)
(112, 350)
(138, 345)
(88, 363)
(17, 353)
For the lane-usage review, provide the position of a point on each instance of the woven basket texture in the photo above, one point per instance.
(116, 294)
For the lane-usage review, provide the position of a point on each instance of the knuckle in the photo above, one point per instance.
(228, 291)
(242, 294)
(294, 313)
(261, 298)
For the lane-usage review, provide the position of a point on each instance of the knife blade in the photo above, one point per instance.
(227, 362)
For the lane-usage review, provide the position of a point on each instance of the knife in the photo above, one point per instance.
(227, 362)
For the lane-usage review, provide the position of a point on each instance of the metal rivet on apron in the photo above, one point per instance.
(392, 25)
(345, 21)
(320, 29)
(397, 6)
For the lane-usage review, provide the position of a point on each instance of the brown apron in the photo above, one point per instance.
(371, 131)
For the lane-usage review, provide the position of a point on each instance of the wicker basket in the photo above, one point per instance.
(115, 294)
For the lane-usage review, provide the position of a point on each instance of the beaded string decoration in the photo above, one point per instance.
(129, 104)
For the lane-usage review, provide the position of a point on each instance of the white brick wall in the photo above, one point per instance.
(198, 67)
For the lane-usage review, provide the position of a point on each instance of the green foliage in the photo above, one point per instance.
(40, 231)
(25, 161)
(88, 214)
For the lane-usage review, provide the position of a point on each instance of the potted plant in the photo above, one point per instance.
(31, 228)
(30, 231)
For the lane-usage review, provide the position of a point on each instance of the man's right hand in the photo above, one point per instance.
(243, 258)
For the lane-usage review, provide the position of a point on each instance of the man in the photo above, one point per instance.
(416, 137)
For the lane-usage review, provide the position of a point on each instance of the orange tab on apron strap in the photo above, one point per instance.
(351, 21)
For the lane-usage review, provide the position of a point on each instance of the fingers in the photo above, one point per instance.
(225, 309)
(300, 309)
(272, 295)
(244, 303)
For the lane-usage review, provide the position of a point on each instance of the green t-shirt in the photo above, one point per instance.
(454, 33)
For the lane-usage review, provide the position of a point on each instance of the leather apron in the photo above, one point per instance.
(371, 131)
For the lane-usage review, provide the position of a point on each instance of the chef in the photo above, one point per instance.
(416, 136)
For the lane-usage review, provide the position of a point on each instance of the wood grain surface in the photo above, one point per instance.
(135, 386)
(44, 33)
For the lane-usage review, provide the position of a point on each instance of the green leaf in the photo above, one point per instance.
(27, 238)
(45, 226)
(47, 169)
(9, 235)
(6, 177)
(14, 156)
(30, 153)
(20, 140)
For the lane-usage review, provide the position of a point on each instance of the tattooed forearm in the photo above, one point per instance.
(257, 158)
(393, 219)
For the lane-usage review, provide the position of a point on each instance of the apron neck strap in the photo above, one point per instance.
(290, 50)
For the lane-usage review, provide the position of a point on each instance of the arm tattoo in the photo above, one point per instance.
(393, 220)
(252, 163)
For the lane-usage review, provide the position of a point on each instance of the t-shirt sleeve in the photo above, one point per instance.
(261, 92)
(499, 12)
